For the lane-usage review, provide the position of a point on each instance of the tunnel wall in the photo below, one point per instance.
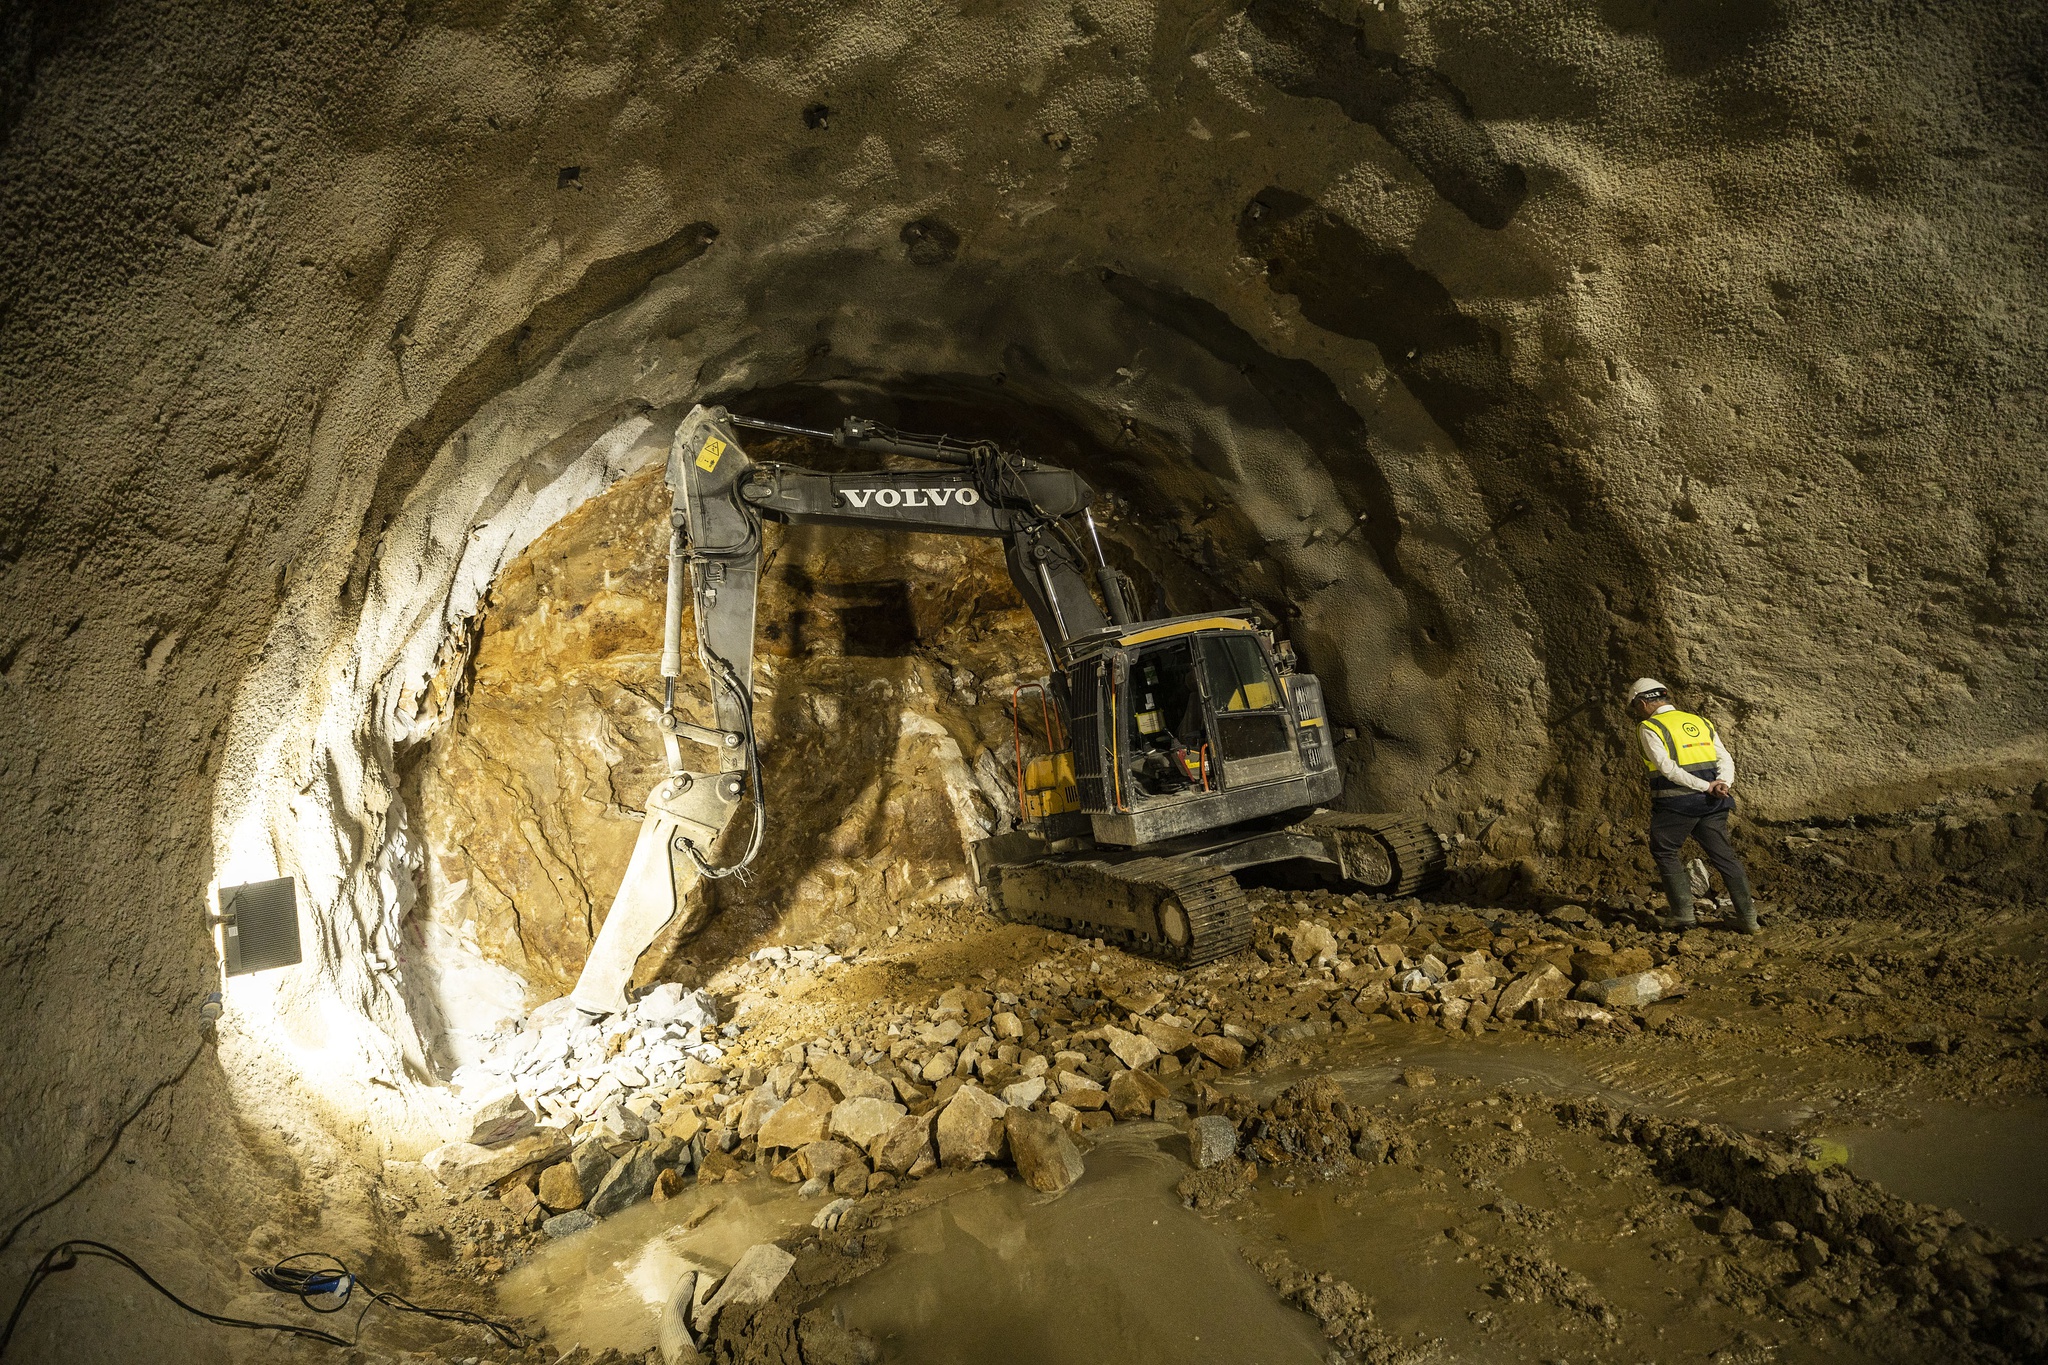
(1518, 356)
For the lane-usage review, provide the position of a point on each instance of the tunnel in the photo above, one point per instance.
(1488, 359)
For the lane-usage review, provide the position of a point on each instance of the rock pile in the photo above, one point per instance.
(562, 1117)
(562, 1068)
(570, 1119)
(1358, 957)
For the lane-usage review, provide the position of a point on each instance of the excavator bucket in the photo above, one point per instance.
(657, 884)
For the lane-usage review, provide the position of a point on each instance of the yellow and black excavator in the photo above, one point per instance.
(1179, 751)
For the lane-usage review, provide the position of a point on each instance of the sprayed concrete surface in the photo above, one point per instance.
(1501, 356)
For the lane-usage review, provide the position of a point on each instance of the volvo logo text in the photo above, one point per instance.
(911, 497)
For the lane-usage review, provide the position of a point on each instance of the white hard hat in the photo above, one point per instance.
(1642, 685)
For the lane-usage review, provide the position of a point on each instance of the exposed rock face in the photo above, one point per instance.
(1503, 361)
(887, 662)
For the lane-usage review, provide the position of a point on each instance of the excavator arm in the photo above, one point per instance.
(721, 497)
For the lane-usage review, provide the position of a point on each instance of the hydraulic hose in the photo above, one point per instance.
(729, 679)
(672, 620)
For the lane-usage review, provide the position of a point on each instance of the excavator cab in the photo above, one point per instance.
(1172, 728)
(1177, 754)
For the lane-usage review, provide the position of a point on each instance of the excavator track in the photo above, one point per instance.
(1382, 853)
(1175, 909)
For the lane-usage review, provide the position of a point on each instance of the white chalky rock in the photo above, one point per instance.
(616, 1123)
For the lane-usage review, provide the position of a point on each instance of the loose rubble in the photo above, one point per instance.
(674, 1087)
(1019, 1070)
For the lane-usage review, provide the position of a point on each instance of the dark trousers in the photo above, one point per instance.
(1671, 825)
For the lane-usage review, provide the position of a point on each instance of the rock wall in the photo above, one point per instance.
(886, 667)
(1509, 354)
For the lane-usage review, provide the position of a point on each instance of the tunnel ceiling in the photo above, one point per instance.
(1510, 359)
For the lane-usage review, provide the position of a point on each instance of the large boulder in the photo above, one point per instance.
(496, 1117)
(560, 1189)
(1167, 1037)
(805, 1119)
(1045, 1156)
(617, 1125)
(749, 1284)
(1227, 1053)
(908, 1141)
(630, 1180)
(971, 1127)
(1212, 1140)
(592, 1160)
(1131, 1094)
(847, 1081)
(1025, 1093)
(761, 1104)
(1313, 943)
(824, 1158)
(1134, 1050)
(466, 1167)
(1632, 991)
(1545, 983)
(863, 1119)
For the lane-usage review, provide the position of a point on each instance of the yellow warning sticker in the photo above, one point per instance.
(707, 458)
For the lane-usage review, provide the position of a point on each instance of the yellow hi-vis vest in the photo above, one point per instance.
(1689, 739)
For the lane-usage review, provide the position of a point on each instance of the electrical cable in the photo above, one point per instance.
(331, 1280)
(65, 1255)
(335, 1282)
(112, 1143)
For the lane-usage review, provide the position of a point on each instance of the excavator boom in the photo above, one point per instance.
(720, 498)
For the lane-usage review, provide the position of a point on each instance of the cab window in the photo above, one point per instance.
(1250, 720)
(1239, 679)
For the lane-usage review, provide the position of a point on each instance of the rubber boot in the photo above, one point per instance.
(1745, 909)
(1678, 893)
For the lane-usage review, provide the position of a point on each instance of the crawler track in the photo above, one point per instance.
(1175, 909)
(1382, 853)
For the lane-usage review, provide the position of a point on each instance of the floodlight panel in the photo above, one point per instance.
(261, 928)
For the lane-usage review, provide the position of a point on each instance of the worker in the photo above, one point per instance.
(1691, 781)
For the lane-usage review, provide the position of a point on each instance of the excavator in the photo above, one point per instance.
(1178, 752)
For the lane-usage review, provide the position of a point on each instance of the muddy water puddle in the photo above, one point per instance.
(1984, 1161)
(1538, 1244)
(604, 1287)
(1115, 1268)
(1988, 1163)
(1763, 1094)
